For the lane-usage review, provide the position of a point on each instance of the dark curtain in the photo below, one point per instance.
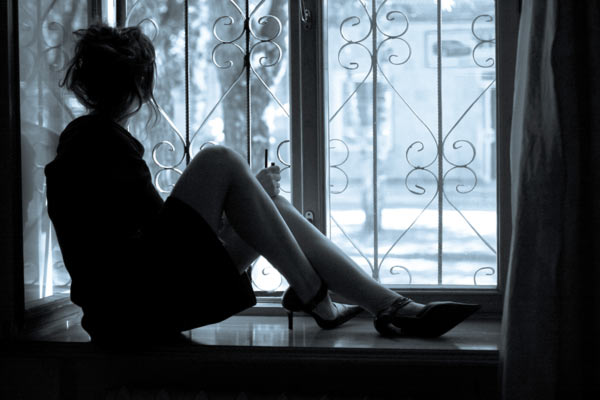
(551, 322)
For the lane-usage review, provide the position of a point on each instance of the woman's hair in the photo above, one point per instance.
(112, 70)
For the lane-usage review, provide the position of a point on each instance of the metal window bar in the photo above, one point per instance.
(95, 11)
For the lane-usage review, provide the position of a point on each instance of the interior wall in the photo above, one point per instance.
(11, 254)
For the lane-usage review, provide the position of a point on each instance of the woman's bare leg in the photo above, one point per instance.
(339, 271)
(218, 180)
(240, 252)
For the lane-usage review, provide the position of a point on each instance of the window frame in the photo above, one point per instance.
(310, 175)
(308, 150)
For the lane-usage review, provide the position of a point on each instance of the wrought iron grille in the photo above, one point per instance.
(242, 40)
(383, 53)
(223, 78)
(226, 84)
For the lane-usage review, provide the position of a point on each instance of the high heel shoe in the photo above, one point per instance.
(435, 319)
(291, 302)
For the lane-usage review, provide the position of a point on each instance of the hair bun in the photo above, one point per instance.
(111, 68)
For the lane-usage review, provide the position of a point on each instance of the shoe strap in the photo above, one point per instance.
(388, 313)
(317, 298)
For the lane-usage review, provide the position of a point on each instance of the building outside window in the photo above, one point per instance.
(409, 114)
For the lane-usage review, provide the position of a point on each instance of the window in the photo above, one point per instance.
(45, 42)
(411, 197)
(382, 115)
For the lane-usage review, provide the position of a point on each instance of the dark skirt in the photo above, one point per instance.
(179, 277)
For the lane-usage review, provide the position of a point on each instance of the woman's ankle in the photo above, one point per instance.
(310, 290)
(326, 309)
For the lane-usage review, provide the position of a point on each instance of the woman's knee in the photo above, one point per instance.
(281, 201)
(211, 166)
(217, 156)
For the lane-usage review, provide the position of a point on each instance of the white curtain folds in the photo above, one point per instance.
(551, 322)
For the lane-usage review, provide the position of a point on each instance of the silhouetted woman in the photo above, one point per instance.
(141, 267)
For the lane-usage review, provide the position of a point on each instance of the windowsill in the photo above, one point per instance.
(250, 350)
(265, 325)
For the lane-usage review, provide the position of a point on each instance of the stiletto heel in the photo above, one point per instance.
(435, 319)
(291, 302)
(290, 315)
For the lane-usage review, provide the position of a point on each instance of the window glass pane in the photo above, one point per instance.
(412, 139)
(45, 45)
(228, 101)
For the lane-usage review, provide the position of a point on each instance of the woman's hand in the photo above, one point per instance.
(269, 179)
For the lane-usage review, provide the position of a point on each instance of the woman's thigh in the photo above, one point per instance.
(204, 183)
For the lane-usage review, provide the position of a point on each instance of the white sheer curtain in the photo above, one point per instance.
(45, 45)
(551, 325)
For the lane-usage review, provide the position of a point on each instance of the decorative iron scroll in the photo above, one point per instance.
(422, 174)
(489, 62)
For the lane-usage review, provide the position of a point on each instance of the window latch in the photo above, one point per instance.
(305, 16)
(310, 216)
